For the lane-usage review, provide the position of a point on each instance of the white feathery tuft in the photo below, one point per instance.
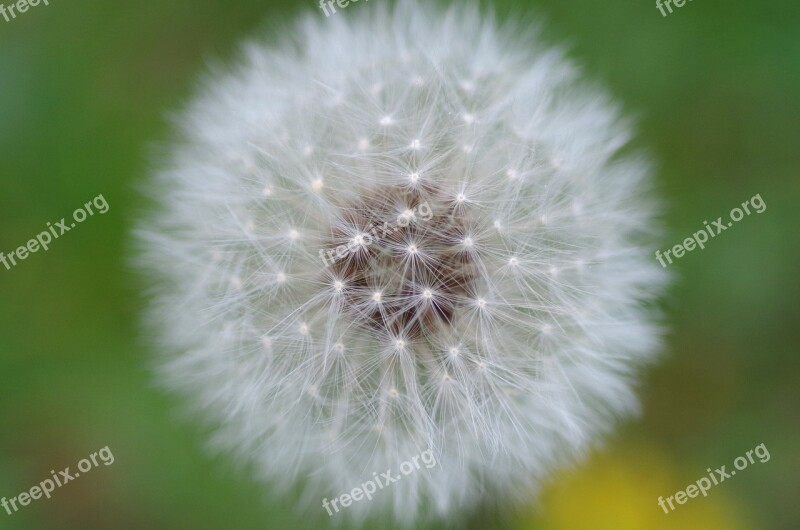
(502, 326)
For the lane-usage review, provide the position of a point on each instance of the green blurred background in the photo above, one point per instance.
(85, 87)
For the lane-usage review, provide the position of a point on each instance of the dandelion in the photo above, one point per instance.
(503, 331)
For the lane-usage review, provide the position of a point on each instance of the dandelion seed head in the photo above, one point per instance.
(455, 210)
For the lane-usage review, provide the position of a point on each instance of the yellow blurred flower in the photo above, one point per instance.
(620, 490)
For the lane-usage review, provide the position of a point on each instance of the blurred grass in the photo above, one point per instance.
(85, 87)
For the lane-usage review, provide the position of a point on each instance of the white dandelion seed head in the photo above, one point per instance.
(478, 313)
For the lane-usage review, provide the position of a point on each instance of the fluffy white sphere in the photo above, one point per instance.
(403, 229)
